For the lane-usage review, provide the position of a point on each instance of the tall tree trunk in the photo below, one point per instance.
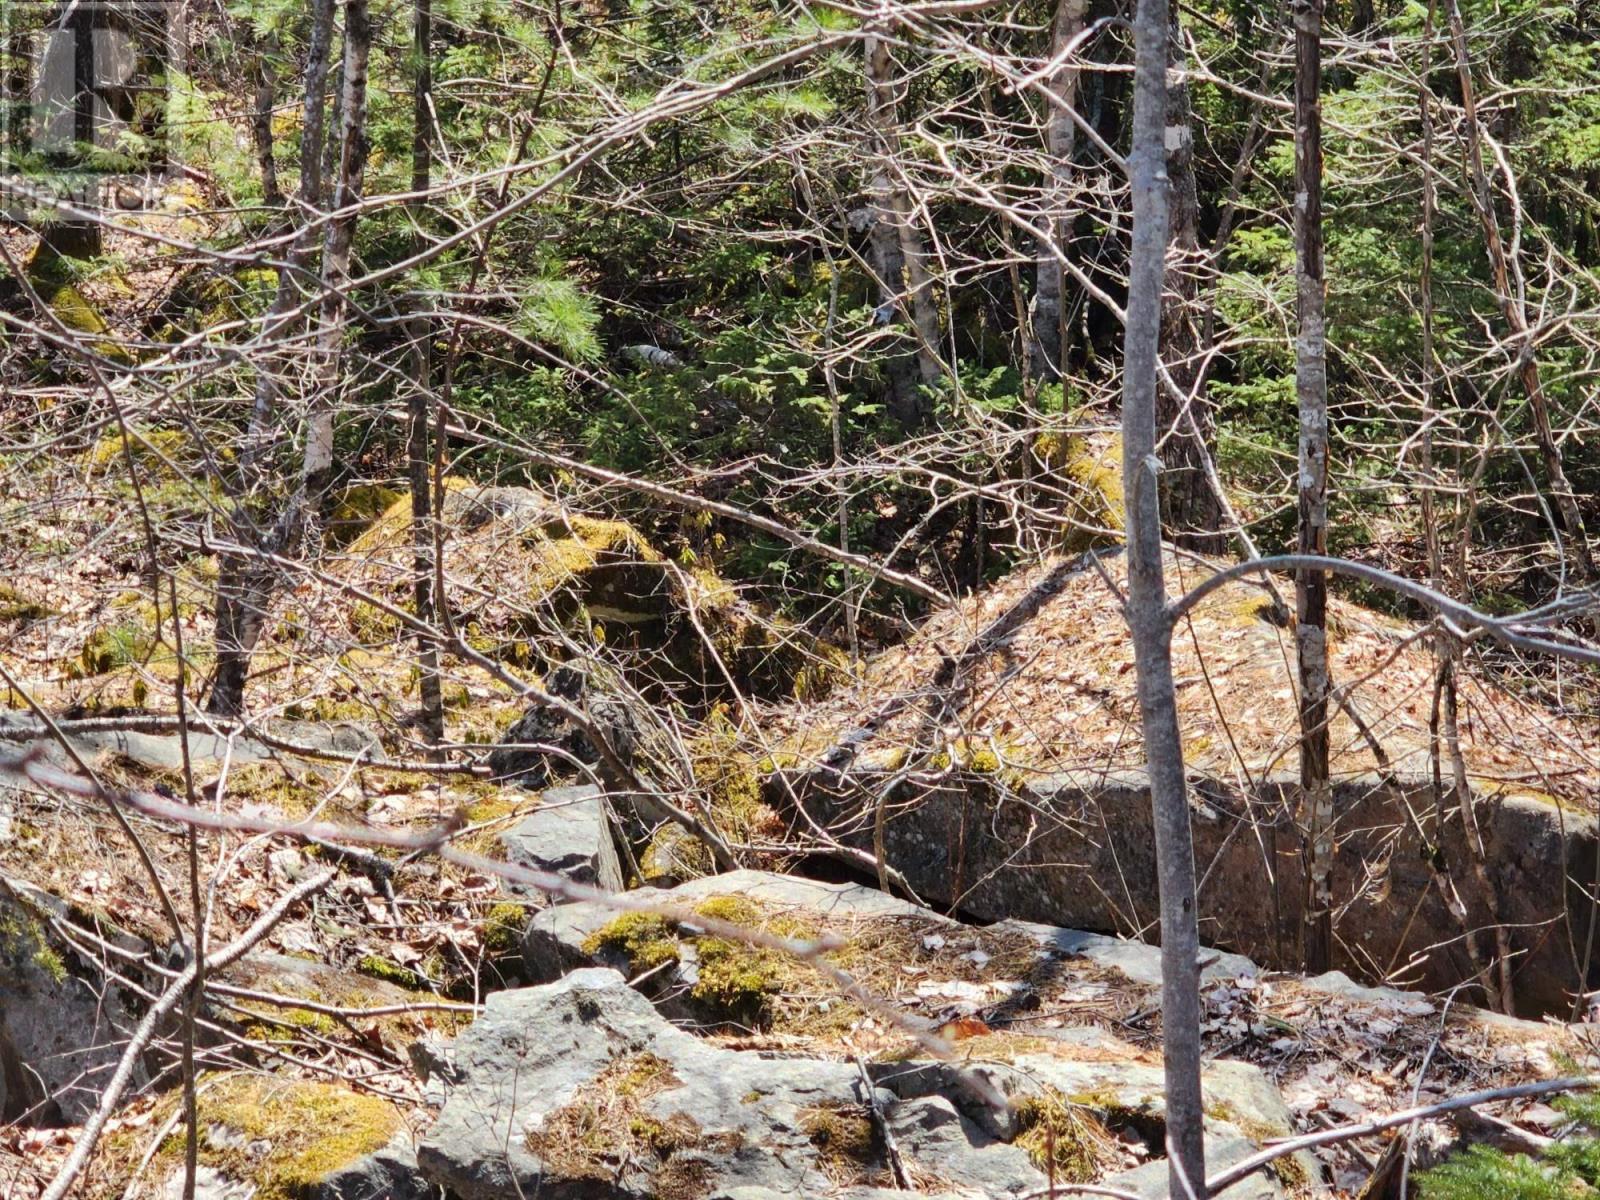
(1049, 340)
(1148, 622)
(335, 281)
(261, 122)
(1192, 510)
(900, 258)
(419, 461)
(1311, 387)
(244, 582)
(70, 237)
(1511, 306)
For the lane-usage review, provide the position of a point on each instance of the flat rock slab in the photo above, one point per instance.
(62, 1024)
(670, 1115)
(569, 834)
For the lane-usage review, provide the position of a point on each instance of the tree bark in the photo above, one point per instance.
(1511, 306)
(1148, 622)
(261, 122)
(1048, 321)
(1311, 388)
(317, 472)
(244, 585)
(419, 459)
(900, 258)
(1192, 510)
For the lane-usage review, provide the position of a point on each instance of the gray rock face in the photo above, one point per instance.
(1150, 1180)
(1028, 856)
(580, 1088)
(569, 834)
(62, 1025)
(671, 1116)
(543, 740)
(387, 1174)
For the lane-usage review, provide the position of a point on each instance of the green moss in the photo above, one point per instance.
(644, 938)
(275, 1024)
(14, 606)
(502, 930)
(1063, 1138)
(673, 855)
(738, 982)
(605, 1134)
(23, 943)
(372, 625)
(379, 967)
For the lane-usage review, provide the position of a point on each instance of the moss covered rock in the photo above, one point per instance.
(277, 1138)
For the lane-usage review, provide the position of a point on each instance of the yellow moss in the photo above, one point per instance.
(1063, 1138)
(502, 930)
(282, 1137)
(646, 939)
(152, 450)
(393, 526)
(1091, 471)
(735, 910)
(738, 982)
(358, 507)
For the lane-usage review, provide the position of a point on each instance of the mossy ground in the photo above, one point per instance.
(282, 1136)
(1064, 1138)
(750, 986)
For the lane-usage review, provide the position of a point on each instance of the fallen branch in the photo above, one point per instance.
(176, 990)
(1344, 1133)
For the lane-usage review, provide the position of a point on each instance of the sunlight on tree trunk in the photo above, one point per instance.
(1147, 616)
(1311, 387)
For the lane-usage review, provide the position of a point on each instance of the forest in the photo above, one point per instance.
(774, 598)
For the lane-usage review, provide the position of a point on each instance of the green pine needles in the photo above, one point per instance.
(1569, 1168)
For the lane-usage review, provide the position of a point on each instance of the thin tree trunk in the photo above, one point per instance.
(318, 467)
(1148, 622)
(1049, 340)
(900, 258)
(1192, 509)
(245, 585)
(418, 456)
(261, 122)
(1511, 307)
(1311, 387)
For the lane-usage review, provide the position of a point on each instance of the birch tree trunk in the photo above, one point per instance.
(1311, 388)
(900, 258)
(1048, 321)
(1192, 510)
(1511, 305)
(418, 458)
(1147, 613)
